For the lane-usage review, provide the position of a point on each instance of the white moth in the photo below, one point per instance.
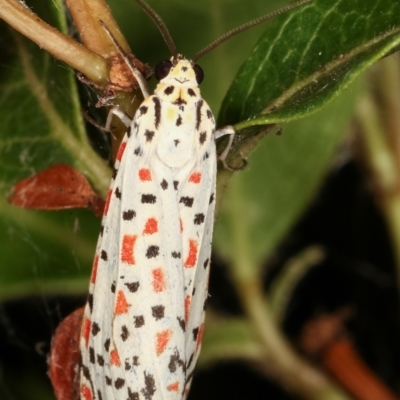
(144, 318)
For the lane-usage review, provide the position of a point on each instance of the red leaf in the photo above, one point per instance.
(64, 359)
(56, 188)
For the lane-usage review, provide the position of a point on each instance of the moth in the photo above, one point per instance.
(144, 318)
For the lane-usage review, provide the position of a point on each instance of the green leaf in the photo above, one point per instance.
(264, 201)
(308, 56)
(41, 124)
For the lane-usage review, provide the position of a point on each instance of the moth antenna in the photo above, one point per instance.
(246, 26)
(161, 26)
(135, 72)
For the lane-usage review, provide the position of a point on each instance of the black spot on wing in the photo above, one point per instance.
(119, 383)
(176, 184)
(211, 198)
(113, 287)
(118, 193)
(202, 137)
(150, 386)
(198, 219)
(132, 286)
(152, 251)
(108, 381)
(148, 199)
(209, 114)
(138, 151)
(143, 110)
(182, 323)
(164, 184)
(95, 328)
(206, 263)
(175, 254)
(187, 201)
(138, 320)
(133, 395)
(195, 333)
(128, 215)
(107, 345)
(91, 355)
(206, 155)
(103, 255)
(178, 121)
(191, 92)
(158, 312)
(128, 131)
(90, 301)
(124, 333)
(176, 142)
(100, 360)
(149, 135)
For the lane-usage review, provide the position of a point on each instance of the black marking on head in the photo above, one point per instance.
(91, 355)
(209, 114)
(182, 323)
(107, 345)
(95, 328)
(138, 151)
(108, 381)
(206, 155)
(211, 198)
(128, 131)
(179, 101)
(100, 360)
(199, 105)
(158, 312)
(202, 137)
(118, 193)
(176, 183)
(206, 263)
(148, 199)
(152, 251)
(168, 90)
(119, 383)
(132, 395)
(157, 111)
(138, 320)
(128, 215)
(198, 219)
(143, 110)
(191, 92)
(150, 386)
(195, 333)
(181, 108)
(187, 201)
(178, 121)
(90, 301)
(103, 255)
(124, 333)
(176, 142)
(184, 69)
(175, 254)
(164, 184)
(113, 286)
(149, 135)
(132, 286)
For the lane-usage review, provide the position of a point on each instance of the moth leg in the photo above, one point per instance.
(228, 130)
(124, 118)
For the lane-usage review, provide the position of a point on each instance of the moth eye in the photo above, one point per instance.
(199, 73)
(162, 69)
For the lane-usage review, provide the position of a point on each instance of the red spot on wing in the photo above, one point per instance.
(200, 337)
(191, 259)
(144, 174)
(162, 340)
(114, 358)
(173, 387)
(127, 251)
(107, 202)
(86, 393)
(195, 177)
(86, 330)
(121, 305)
(188, 300)
(150, 227)
(158, 280)
(121, 151)
(94, 269)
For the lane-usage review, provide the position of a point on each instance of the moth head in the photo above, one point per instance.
(179, 71)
